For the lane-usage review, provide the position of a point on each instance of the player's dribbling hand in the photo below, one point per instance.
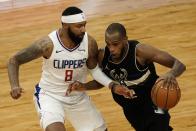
(16, 92)
(169, 79)
(75, 86)
(122, 90)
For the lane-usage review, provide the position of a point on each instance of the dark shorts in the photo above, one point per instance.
(153, 122)
(140, 114)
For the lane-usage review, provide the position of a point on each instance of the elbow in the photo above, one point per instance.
(12, 60)
(183, 67)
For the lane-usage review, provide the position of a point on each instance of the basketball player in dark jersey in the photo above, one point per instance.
(131, 64)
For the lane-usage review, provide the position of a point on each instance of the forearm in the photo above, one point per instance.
(100, 77)
(13, 71)
(178, 68)
(92, 85)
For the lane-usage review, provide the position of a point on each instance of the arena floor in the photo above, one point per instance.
(169, 25)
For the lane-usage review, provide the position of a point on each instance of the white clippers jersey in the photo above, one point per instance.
(64, 66)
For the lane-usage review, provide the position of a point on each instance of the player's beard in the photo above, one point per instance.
(120, 56)
(76, 39)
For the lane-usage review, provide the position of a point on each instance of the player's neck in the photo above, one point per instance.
(65, 39)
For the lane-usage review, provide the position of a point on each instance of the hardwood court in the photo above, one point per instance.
(169, 25)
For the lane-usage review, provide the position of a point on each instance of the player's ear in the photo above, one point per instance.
(126, 38)
(64, 25)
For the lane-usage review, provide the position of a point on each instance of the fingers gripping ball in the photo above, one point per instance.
(165, 97)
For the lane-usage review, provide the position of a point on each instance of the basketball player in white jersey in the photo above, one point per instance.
(67, 55)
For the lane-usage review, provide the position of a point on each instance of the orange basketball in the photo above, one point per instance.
(165, 97)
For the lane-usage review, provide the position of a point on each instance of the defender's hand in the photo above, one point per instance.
(75, 86)
(16, 92)
(122, 90)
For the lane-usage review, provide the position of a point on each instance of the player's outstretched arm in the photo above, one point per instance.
(94, 85)
(92, 64)
(78, 86)
(98, 75)
(147, 54)
(42, 47)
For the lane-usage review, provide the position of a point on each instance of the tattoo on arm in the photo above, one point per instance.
(37, 49)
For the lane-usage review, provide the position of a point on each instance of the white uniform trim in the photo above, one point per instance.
(136, 61)
(138, 81)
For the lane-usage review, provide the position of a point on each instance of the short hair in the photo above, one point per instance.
(72, 10)
(117, 27)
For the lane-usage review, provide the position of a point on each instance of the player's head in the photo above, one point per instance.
(116, 39)
(74, 22)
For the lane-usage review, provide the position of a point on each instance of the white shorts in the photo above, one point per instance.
(82, 113)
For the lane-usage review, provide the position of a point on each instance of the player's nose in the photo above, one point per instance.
(112, 50)
(83, 29)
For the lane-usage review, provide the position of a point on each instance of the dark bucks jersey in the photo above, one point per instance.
(130, 73)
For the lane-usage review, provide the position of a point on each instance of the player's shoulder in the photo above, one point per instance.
(101, 50)
(143, 47)
(44, 40)
(133, 41)
(101, 53)
(92, 44)
(91, 40)
(46, 44)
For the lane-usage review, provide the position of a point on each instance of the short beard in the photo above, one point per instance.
(121, 56)
(77, 40)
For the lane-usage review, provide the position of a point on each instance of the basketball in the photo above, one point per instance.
(165, 97)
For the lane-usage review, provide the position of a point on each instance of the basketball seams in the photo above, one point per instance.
(152, 93)
(178, 93)
(166, 102)
(156, 94)
(165, 98)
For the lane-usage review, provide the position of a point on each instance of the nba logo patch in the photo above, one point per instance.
(83, 17)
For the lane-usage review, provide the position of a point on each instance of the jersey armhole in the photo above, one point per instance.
(136, 62)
